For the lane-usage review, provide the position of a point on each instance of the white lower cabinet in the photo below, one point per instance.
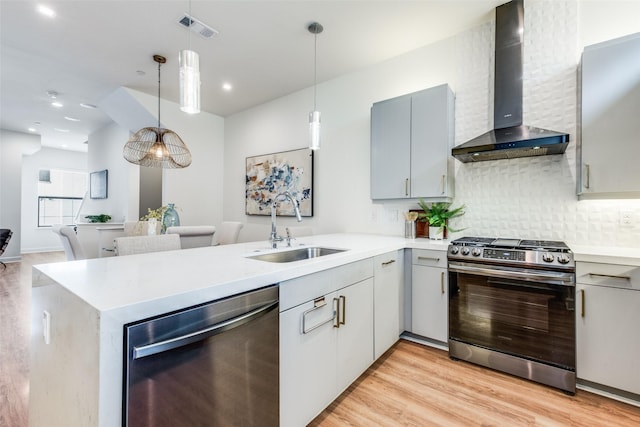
(388, 281)
(325, 342)
(607, 320)
(429, 294)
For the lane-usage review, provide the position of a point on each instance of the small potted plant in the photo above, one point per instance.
(438, 215)
(98, 218)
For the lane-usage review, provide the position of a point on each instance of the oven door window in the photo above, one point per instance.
(522, 318)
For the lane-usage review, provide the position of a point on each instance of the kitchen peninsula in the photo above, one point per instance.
(76, 378)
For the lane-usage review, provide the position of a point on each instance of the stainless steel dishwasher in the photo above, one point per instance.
(211, 365)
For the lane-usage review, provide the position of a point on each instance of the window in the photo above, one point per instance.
(60, 198)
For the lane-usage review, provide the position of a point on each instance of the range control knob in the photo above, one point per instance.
(476, 252)
(563, 259)
(547, 257)
(465, 251)
(454, 250)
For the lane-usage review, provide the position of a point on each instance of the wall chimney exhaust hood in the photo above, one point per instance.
(510, 138)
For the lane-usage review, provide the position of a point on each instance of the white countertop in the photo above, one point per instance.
(606, 255)
(138, 286)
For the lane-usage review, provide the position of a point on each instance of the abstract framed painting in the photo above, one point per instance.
(271, 174)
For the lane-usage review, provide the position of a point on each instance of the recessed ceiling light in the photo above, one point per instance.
(31, 129)
(52, 94)
(61, 130)
(57, 104)
(140, 73)
(47, 11)
(71, 119)
(227, 86)
(89, 106)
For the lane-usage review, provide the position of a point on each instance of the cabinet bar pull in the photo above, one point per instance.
(587, 168)
(406, 187)
(443, 180)
(582, 302)
(442, 282)
(428, 258)
(317, 303)
(610, 276)
(343, 311)
(336, 310)
(389, 262)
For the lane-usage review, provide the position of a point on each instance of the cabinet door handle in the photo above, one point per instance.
(342, 314)
(442, 282)
(406, 187)
(610, 276)
(587, 170)
(443, 181)
(428, 258)
(582, 302)
(388, 262)
(317, 303)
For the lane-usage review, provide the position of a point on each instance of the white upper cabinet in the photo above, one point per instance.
(610, 125)
(411, 140)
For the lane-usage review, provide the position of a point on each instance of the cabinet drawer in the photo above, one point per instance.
(611, 275)
(302, 289)
(429, 257)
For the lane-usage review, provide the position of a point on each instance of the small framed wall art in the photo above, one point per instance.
(98, 184)
(271, 174)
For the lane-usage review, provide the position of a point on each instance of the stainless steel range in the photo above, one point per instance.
(511, 307)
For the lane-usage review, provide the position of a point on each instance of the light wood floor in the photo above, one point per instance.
(414, 385)
(411, 385)
(15, 333)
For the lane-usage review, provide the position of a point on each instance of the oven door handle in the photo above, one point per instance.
(548, 277)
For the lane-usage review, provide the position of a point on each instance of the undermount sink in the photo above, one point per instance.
(296, 254)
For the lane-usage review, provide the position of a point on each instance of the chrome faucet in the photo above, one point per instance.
(274, 238)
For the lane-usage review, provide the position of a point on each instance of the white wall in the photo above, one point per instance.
(105, 152)
(36, 239)
(600, 20)
(13, 145)
(341, 166)
(529, 198)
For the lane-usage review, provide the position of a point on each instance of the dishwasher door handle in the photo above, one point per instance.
(170, 344)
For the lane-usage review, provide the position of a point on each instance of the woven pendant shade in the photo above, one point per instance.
(157, 147)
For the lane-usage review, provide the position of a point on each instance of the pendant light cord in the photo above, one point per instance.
(190, 23)
(159, 64)
(315, 69)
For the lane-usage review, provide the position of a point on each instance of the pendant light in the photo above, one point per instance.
(314, 116)
(157, 147)
(189, 76)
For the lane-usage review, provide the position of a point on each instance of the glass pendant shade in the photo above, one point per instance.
(314, 130)
(189, 81)
(157, 148)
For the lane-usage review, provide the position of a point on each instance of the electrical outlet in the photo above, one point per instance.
(46, 326)
(626, 219)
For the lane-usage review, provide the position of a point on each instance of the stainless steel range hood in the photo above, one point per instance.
(510, 138)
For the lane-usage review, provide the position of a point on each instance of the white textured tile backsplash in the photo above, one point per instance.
(532, 197)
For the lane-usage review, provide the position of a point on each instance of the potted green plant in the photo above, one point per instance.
(438, 215)
(98, 218)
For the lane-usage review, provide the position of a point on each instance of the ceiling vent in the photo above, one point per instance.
(197, 26)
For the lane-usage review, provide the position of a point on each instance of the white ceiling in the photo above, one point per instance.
(92, 47)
